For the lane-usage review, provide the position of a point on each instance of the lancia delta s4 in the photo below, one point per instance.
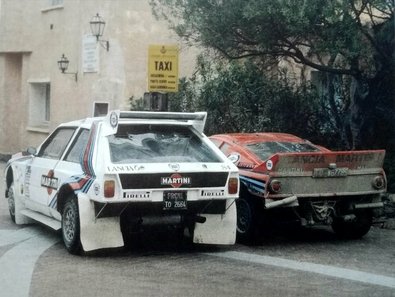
(102, 180)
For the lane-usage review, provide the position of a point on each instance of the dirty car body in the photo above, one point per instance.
(284, 177)
(102, 180)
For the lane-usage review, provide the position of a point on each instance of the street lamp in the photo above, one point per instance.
(63, 64)
(97, 27)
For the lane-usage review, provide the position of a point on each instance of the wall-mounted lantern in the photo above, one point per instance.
(97, 27)
(63, 64)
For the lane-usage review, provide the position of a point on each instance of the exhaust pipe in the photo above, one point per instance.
(369, 205)
(199, 219)
(281, 202)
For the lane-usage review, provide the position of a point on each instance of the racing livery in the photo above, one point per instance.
(284, 177)
(102, 180)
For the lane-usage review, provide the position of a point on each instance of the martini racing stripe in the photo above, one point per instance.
(253, 185)
(86, 162)
(77, 184)
(84, 182)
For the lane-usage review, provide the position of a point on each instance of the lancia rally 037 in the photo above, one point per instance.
(101, 180)
(284, 178)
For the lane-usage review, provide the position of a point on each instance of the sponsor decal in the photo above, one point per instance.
(212, 193)
(49, 181)
(291, 170)
(269, 165)
(225, 167)
(28, 172)
(234, 158)
(308, 159)
(124, 168)
(96, 189)
(175, 180)
(174, 167)
(245, 165)
(135, 195)
(353, 158)
(113, 119)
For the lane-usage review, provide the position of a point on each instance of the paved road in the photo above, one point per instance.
(33, 262)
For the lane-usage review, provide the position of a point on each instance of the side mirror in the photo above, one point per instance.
(31, 151)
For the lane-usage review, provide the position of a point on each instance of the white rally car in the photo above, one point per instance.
(100, 180)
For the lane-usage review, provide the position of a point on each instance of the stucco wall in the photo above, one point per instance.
(39, 35)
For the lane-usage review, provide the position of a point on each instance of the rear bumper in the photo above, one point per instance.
(103, 210)
(356, 201)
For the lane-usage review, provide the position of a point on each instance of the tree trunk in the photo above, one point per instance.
(359, 91)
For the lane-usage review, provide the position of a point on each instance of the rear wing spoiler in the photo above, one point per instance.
(307, 161)
(196, 119)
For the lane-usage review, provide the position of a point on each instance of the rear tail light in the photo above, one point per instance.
(233, 185)
(378, 182)
(275, 186)
(109, 188)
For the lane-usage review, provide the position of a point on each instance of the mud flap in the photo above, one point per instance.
(218, 229)
(97, 233)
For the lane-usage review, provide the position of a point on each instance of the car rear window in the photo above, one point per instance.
(158, 143)
(265, 150)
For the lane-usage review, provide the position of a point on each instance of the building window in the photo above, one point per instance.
(55, 2)
(53, 5)
(40, 105)
(100, 109)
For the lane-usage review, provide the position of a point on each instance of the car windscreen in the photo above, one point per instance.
(148, 143)
(265, 150)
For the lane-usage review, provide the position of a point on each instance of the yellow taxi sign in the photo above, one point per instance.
(163, 68)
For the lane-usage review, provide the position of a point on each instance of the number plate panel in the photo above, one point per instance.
(174, 200)
(326, 172)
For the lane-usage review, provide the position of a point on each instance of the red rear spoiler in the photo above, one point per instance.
(296, 162)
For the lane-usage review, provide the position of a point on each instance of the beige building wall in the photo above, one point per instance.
(33, 36)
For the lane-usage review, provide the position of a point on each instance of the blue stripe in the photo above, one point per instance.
(253, 185)
(253, 181)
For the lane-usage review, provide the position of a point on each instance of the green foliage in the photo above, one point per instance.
(352, 42)
(136, 104)
(306, 30)
(239, 98)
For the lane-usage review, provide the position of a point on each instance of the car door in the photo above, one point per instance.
(69, 165)
(44, 181)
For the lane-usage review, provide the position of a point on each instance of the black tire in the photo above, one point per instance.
(248, 219)
(11, 202)
(71, 227)
(354, 229)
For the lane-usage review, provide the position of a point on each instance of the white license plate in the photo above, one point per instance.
(326, 172)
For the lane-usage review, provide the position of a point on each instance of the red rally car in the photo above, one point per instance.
(285, 177)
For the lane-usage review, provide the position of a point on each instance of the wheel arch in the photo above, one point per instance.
(9, 177)
(65, 192)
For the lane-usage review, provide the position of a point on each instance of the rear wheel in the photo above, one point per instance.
(71, 226)
(11, 202)
(248, 212)
(355, 228)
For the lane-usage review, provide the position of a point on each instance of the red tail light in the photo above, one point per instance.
(378, 182)
(109, 188)
(233, 185)
(275, 186)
